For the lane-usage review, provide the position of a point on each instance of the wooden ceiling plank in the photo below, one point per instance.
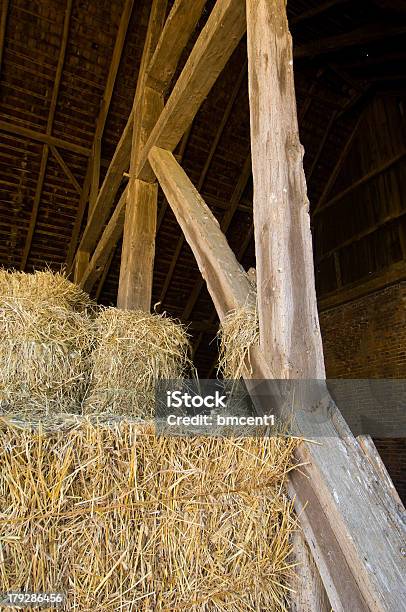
(202, 178)
(3, 25)
(345, 528)
(65, 168)
(214, 46)
(360, 36)
(368, 176)
(338, 165)
(178, 28)
(50, 121)
(315, 11)
(31, 134)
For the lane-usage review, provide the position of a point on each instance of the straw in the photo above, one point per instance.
(121, 519)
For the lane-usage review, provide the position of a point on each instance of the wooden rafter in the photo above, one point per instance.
(3, 24)
(91, 182)
(65, 168)
(20, 130)
(180, 22)
(342, 156)
(360, 36)
(368, 176)
(119, 164)
(315, 11)
(215, 44)
(202, 178)
(344, 528)
(50, 121)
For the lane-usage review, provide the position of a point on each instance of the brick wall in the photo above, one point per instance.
(366, 338)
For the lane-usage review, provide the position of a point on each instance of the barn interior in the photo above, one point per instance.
(69, 73)
(68, 76)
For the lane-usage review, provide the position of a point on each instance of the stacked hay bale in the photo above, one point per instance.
(46, 335)
(121, 519)
(133, 350)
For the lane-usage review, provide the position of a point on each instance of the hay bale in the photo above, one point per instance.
(44, 357)
(45, 286)
(46, 337)
(121, 519)
(134, 350)
(238, 332)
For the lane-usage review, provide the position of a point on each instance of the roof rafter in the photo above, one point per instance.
(91, 183)
(50, 121)
(3, 24)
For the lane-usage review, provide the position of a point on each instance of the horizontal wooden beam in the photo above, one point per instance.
(360, 36)
(178, 28)
(31, 134)
(392, 275)
(218, 39)
(110, 236)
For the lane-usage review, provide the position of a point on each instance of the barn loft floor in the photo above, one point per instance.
(350, 79)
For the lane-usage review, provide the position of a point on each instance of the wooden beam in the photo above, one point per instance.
(323, 141)
(110, 236)
(91, 186)
(78, 220)
(339, 163)
(103, 277)
(360, 36)
(218, 39)
(368, 176)
(138, 250)
(371, 452)
(315, 11)
(358, 560)
(20, 130)
(178, 28)
(3, 25)
(391, 275)
(108, 190)
(224, 225)
(201, 181)
(50, 121)
(65, 168)
(35, 207)
(216, 261)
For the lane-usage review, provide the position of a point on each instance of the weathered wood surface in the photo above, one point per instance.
(354, 538)
(218, 39)
(178, 28)
(93, 269)
(138, 250)
(108, 190)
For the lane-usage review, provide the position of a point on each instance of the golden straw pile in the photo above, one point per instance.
(46, 335)
(238, 332)
(120, 519)
(134, 349)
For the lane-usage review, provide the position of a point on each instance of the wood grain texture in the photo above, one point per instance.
(178, 28)
(138, 249)
(218, 39)
(355, 536)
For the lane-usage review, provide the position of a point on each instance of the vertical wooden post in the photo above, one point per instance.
(289, 327)
(138, 251)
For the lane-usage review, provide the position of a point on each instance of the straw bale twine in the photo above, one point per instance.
(134, 349)
(121, 519)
